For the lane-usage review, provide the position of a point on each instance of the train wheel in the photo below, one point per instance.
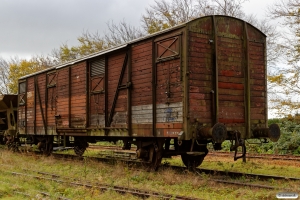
(79, 150)
(46, 146)
(192, 162)
(80, 146)
(156, 154)
(156, 159)
(2, 141)
(13, 144)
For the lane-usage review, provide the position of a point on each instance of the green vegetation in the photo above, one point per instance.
(88, 171)
(288, 143)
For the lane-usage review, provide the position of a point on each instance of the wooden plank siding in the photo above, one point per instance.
(257, 84)
(30, 103)
(232, 63)
(40, 105)
(78, 95)
(115, 64)
(200, 77)
(198, 73)
(142, 109)
(62, 98)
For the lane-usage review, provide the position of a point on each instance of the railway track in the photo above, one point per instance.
(40, 175)
(19, 190)
(222, 175)
(129, 158)
(259, 156)
(114, 153)
(218, 178)
(216, 153)
(231, 174)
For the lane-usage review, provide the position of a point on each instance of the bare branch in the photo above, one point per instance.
(4, 70)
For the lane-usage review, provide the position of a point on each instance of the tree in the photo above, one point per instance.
(4, 69)
(121, 33)
(161, 15)
(164, 14)
(19, 68)
(88, 44)
(92, 43)
(285, 80)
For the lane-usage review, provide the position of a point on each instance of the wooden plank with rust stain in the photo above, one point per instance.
(237, 86)
(141, 74)
(225, 97)
(169, 125)
(231, 92)
(142, 132)
(234, 122)
(231, 112)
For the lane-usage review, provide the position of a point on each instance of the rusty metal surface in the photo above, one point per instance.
(218, 133)
(273, 132)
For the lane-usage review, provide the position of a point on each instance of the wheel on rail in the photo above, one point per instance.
(79, 150)
(156, 158)
(12, 144)
(46, 145)
(80, 146)
(152, 155)
(2, 140)
(157, 148)
(192, 160)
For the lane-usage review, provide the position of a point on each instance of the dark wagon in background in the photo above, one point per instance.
(169, 93)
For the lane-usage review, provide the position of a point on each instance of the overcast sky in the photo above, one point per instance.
(34, 27)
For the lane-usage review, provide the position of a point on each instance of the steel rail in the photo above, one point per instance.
(211, 179)
(231, 174)
(260, 156)
(15, 191)
(104, 187)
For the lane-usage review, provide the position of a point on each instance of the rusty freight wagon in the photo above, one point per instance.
(169, 93)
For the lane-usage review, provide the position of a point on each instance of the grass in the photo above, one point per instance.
(257, 166)
(167, 181)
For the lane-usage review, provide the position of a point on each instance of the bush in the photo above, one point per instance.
(289, 141)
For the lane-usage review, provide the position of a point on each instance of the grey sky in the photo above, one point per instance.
(34, 27)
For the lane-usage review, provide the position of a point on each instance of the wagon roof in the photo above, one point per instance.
(105, 51)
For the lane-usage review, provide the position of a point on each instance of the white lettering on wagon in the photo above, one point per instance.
(172, 132)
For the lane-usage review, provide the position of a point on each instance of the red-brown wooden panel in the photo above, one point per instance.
(30, 105)
(142, 74)
(62, 99)
(78, 95)
(258, 79)
(200, 71)
(40, 105)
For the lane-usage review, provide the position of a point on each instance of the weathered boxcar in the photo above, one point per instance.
(200, 82)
